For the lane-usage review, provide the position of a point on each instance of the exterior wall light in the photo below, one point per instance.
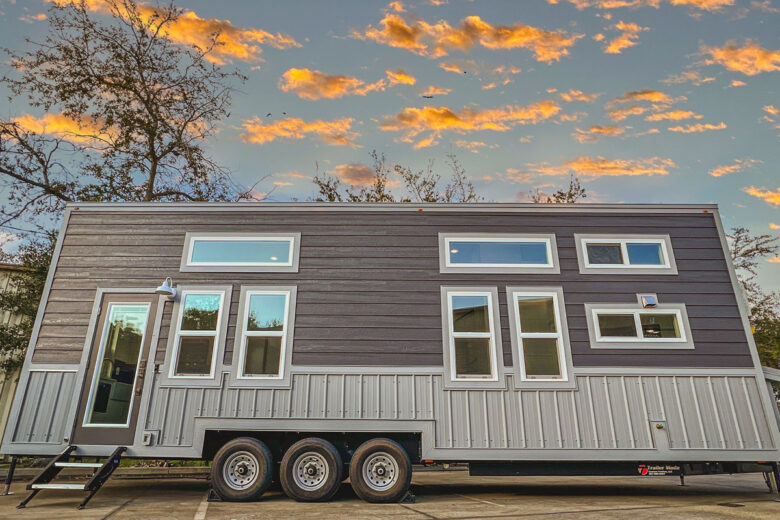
(166, 289)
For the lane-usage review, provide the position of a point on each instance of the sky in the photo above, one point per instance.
(669, 101)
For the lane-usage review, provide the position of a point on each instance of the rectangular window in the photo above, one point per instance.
(197, 331)
(263, 341)
(472, 339)
(638, 325)
(502, 253)
(539, 335)
(247, 252)
(610, 253)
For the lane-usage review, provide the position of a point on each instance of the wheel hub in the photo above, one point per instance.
(241, 470)
(310, 471)
(380, 471)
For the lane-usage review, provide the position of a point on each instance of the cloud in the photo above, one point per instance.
(750, 59)
(190, 29)
(572, 118)
(764, 6)
(414, 121)
(396, 6)
(737, 166)
(737, 83)
(697, 128)
(673, 115)
(354, 173)
(774, 260)
(595, 167)
(771, 110)
(399, 77)
(489, 86)
(772, 225)
(459, 66)
(474, 146)
(770, 197)
(439, 39)
(32, 18)
(592, 134)
(337, 132)
(705, 5)
(294, 175)
(314, 84)
(86, 131)
(689, 76)
(653, 96)
(619, 114)
(283, 184)
(628, 37)
(436, 91)
(578, 95)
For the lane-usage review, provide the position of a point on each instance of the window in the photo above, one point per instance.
(251, 252)
(471, 338)
(608, 253)
(540, 342)
(631, 326)
(501, 253)
(263, 334)
(196, 339)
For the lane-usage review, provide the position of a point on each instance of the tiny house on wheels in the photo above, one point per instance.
(310, 342)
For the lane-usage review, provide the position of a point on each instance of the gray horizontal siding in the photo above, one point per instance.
(605, 412)
(368, 286)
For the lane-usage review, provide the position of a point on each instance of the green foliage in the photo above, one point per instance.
(22, 297)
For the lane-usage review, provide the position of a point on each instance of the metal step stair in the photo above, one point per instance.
(101, 472)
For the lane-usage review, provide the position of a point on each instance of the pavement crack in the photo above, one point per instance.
(118, 508)
(426, 515)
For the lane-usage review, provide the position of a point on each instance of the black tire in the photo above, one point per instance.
(244, 454)
(387, 456)
(319, 457)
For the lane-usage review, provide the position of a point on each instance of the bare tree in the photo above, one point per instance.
(128, 112)
(574, 192)
(747, 251)
(420, 186)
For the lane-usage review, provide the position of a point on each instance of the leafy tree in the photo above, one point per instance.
(128, 113)
(574, 192)
(419, 186)
(131, 109)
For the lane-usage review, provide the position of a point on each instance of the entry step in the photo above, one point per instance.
(79, 464)
(58, 486)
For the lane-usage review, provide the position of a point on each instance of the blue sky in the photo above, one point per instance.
(685, 106)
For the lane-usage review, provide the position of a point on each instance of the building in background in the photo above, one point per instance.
(8, 381)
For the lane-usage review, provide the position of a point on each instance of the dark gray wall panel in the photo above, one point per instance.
(368, 286)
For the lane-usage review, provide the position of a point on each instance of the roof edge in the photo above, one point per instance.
(351, 206)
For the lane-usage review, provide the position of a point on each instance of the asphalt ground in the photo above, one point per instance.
(446, 495)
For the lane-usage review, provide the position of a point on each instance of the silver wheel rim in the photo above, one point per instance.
(380, 471)
(310, 471)
(241, 470)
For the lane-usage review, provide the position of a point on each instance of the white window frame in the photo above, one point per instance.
(216, 334)
(597, 341)
(244, 333)
(668, 266)
(566, 381)
(491, 335)
(638, 324)
(187, 263)
(558, 335)
(446, 265)
(99, 360)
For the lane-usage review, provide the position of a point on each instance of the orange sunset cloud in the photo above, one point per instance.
(770, 197)
(86, 131)
(435, 91)
(673, 115)
(594, 167)
(337, 133)
(705, 5)
(737, 166)
(440, 38)
(190, 29)
(578, 95)
(414, 121)
(697, 128)
(628, 37)
(356, 174)
(592, 134)
(750, 59)
(314, 84)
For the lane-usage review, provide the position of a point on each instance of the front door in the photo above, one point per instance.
(111, 396)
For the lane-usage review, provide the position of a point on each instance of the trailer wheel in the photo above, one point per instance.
(380, 471)
(242, 470)
(311, 470)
